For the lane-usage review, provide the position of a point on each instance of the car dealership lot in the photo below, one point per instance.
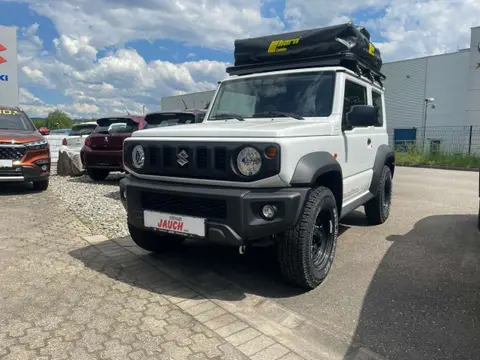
(408, 289)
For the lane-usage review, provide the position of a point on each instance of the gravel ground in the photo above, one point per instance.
(97, 204)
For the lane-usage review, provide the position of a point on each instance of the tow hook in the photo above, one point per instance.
(242, 249)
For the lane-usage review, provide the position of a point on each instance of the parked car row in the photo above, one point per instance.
(25, 155)
(100, 143)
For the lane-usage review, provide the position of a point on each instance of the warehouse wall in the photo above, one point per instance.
(447, 82)
(445, 78)
(405, 92)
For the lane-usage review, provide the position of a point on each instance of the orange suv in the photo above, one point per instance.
(24, 152)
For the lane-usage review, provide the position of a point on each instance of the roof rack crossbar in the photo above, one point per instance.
(347, 60)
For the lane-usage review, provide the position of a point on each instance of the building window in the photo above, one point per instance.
(355, 94)
(378, 104)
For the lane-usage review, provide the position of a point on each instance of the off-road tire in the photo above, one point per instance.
(377, 209)
(40, 185)
(154, 242)
(295, 254)
(98, 174)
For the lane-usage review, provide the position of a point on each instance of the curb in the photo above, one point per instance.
(439, 167)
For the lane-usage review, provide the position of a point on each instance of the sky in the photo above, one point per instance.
(92, 58)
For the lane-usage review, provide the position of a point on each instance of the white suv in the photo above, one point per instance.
(283, 153)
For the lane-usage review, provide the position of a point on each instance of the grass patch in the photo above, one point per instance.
(414, 157)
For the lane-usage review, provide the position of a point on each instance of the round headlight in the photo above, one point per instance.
(249, 161)
(138, 156)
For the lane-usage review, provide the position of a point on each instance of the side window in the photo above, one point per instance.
(355, 94)
(377, 103)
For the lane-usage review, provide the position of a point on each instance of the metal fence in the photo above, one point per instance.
(437, 139)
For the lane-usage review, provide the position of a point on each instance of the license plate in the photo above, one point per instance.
(175, 224)
(6, 163)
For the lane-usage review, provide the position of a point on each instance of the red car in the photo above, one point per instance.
(102, 151)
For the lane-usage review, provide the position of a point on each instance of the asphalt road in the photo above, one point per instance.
(408, 289)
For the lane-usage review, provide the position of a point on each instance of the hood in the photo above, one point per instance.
(261, 128)
(19, 137)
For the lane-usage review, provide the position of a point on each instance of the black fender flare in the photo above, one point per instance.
(311, 166)
(385, 155)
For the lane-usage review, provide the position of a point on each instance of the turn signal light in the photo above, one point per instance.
(64, 141)
(271, 152)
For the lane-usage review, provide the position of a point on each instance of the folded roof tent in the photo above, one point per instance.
(346, 45)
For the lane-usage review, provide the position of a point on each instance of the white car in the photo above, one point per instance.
(290, 144)
(77, 137)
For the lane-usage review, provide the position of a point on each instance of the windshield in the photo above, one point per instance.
(116, 126)
(168, 119)
(305, 94)
(87, 129)
(15, 120)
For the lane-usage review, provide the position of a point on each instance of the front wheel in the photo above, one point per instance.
(98, 174)
(306, 252)
(377, 209)
(154, 242)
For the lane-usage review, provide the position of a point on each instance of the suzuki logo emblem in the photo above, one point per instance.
(2, 59)
(182, 157)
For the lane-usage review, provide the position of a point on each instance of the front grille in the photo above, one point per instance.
(185, 205)
(196, 158)
(185, 161)
(11, 152)
(199, 160)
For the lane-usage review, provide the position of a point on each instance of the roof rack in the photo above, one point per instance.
(347, 60)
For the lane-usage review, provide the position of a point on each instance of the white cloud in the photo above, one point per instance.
(417, 28)
(305, 14)
(26, 97)
(35, 75)
(410, 28)
(209, 23)
(107, 85)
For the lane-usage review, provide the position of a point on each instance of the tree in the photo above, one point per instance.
(39, 123)
(58, 120)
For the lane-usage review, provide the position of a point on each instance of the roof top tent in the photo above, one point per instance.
(346, 45)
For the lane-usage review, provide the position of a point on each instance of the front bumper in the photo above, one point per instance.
(24, 173)
(232, 215)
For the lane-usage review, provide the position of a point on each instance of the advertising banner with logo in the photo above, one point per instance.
(8, 66)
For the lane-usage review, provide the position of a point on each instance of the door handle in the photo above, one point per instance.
(369, 141)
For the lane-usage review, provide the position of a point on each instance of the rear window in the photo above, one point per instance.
(116, 126)
(78, 130)
(168, 119)
(15, 120)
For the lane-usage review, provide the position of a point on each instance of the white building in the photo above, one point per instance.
(452, 80)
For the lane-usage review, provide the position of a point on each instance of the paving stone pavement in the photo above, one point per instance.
(68, 294)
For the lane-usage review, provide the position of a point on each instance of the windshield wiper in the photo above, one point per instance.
(277, 114)
(228, 115)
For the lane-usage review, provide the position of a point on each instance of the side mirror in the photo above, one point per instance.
(44, 131)
(361, 116)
